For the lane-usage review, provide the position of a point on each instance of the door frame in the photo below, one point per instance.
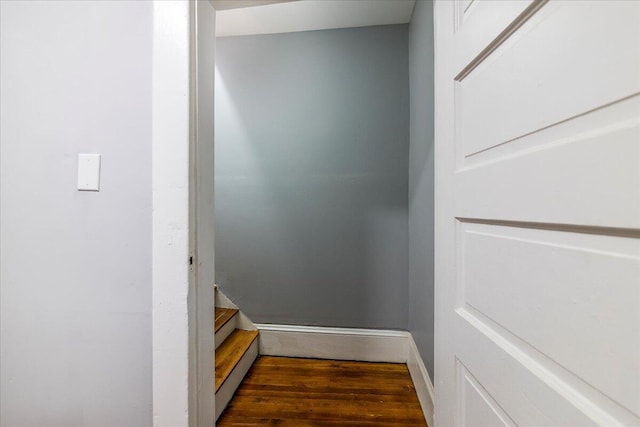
(182, 305)
(444, 226)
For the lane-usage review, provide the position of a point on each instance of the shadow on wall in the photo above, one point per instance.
(421, 182)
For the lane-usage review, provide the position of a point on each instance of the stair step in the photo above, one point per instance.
(230, 352)
(226, 323)
(223, 315)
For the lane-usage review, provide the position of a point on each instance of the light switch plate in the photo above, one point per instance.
(89, 172)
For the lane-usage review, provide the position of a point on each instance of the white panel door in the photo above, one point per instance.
(537, 213)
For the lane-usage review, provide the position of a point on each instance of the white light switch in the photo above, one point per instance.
(89, 172)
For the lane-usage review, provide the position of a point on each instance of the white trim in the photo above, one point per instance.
(202, 405)
(223, 301)
(243, 322)
(421, 381)
(317, 342)
(171, 307)
(331, 330)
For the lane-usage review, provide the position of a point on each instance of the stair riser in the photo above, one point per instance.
(225, 393)
(226, 330)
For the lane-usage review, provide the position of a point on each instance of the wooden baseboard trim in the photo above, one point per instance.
(370, 345)
(421, 380)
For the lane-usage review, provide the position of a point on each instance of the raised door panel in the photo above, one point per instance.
(538, 183)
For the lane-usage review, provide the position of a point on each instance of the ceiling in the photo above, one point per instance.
(235, 4)
(307, 15)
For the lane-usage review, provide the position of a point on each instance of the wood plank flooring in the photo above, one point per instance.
(307, 392)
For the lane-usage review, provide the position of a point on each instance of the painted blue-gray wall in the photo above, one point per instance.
(312, 149)
(421, 206)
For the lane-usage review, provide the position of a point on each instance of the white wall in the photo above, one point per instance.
(75, 266)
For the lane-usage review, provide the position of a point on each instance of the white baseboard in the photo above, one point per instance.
(421, 380)
(315, 342)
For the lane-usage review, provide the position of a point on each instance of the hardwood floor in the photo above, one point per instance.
(281, 391)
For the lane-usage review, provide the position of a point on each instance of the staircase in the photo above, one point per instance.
(236, 349)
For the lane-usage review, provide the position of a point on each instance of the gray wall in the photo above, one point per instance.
(421, 206)
(75, 282)
(312, 149)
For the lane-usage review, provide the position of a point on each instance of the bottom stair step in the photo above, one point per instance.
(233, 360)
(230, 352)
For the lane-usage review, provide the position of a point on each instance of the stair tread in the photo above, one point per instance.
(223, 315)
(230, 352)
